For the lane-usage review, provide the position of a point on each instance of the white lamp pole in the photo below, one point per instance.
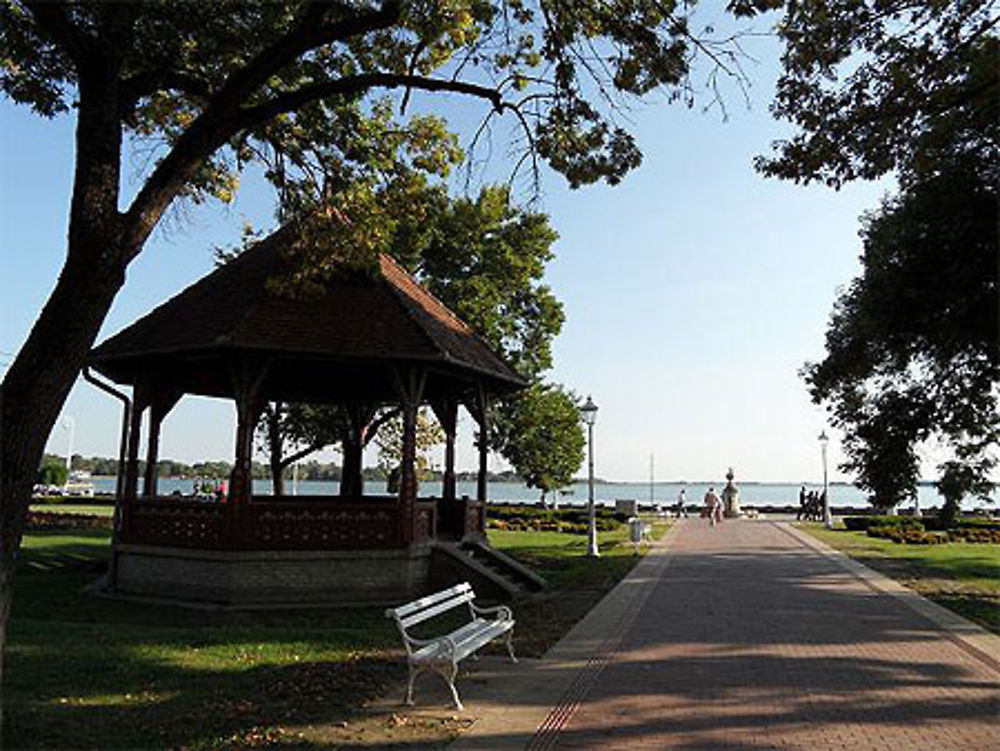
(824, 440)
(70, 425)
(589, 413)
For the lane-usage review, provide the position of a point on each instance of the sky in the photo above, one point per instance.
(693, 291)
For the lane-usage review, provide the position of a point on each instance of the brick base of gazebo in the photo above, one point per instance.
(272, 577)
(301, 550)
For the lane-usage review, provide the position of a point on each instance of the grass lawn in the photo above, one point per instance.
(578, 582)
(963, 577)
(84, 672)
(73, 508)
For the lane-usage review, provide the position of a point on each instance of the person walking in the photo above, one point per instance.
(802, 503)
(681, 508)
(712, 506)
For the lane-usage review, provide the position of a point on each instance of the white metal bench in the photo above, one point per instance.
(441, 654)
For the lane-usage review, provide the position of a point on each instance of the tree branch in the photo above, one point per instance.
(287, 461)
(359, 84)
(374, 425)
(148, 82)
(221, 120)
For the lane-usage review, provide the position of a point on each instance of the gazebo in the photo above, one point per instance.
(360, 339)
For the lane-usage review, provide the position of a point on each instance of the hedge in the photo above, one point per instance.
(569, 520)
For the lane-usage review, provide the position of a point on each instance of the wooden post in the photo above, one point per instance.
(139, 403)
(410, 385)
(159, 408)
(482, 417)
(446, 410)
(152, 451)
(248, 378)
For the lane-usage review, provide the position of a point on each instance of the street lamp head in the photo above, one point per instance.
(589, 412)
(823, 439)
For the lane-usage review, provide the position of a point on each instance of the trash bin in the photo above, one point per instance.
(635, 528)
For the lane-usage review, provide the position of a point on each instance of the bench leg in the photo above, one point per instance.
(452, 674)
(510, 645)
(414, 671)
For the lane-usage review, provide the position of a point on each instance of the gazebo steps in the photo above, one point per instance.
(492, 572)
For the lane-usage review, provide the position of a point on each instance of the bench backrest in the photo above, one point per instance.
(427, 607)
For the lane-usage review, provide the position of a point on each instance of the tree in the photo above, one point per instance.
(485, 259)
(389, 439)
(212, 85)
(53, 472)
(912, 345)
(913, 89)
(542, 437)
(290, 432)
(867, 83)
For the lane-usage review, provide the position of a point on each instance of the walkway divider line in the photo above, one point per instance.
(641, 581)
(970, 637)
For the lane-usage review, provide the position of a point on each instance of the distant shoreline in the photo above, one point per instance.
(601, 481)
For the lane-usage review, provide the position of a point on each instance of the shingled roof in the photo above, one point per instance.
(354, 326)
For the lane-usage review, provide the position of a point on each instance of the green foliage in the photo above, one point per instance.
(389, 440)
(868, 85)
(912, 344)
(251, 75)
(862, 523)
(53, 472)
(485, 259)
(576, 520)
(290, 432)
(539, 433)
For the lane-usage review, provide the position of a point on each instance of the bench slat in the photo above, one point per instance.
(411, 607)
(434, 610)
(468, 639)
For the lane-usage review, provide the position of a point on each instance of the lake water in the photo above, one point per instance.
(752, 494)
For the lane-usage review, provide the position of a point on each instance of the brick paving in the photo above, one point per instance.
(750, 639)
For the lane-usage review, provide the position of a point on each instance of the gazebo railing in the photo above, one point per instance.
(175, 523)
(297, 523)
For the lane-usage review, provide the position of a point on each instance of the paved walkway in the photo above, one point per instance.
(749, 635)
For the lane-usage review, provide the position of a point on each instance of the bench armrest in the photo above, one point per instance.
(503, 613)
(449, 644)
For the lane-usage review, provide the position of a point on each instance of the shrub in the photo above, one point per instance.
(568, 520)
(863, 523)
(940, 525)
(971, 534)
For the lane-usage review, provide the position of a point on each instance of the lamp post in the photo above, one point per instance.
(70, 425)
(589, 414)
(824, 440)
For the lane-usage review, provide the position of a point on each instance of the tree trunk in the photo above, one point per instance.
(34, 390)
(351, 481)
(274, 445)
(41, 376)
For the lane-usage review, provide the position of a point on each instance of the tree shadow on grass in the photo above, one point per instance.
(146, 704)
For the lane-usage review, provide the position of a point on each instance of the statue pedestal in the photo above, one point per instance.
(731, 501)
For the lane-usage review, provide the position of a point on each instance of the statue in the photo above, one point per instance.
(731, 497)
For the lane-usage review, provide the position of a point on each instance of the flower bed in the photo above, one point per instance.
(912, 535)
(862, 523)
(45, 520)
(569, 521)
